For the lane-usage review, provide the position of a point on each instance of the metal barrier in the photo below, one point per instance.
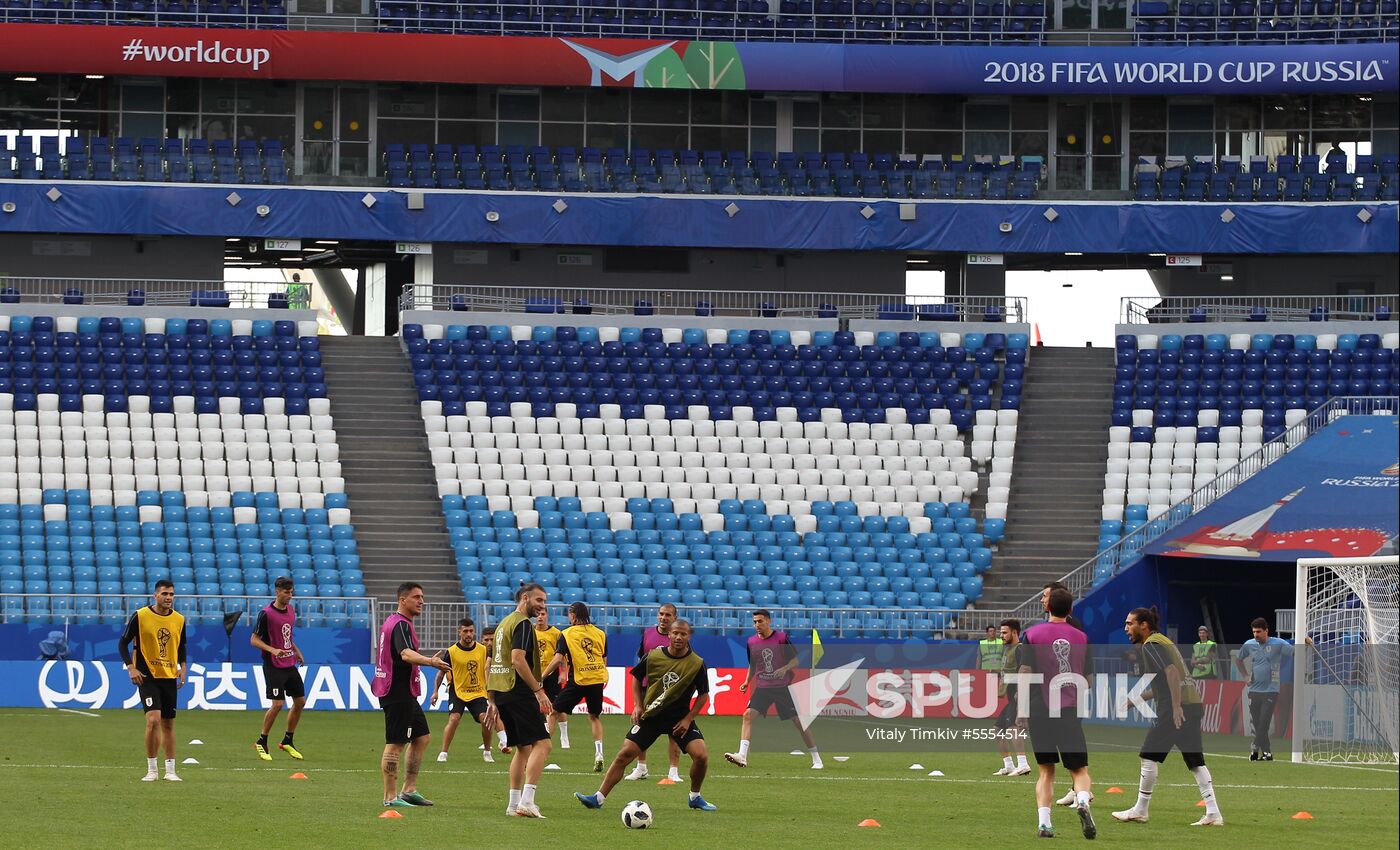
(545, 301)
(1141, 310)
(1125, 551)
(159, 292)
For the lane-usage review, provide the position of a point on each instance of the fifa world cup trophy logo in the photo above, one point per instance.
(767, 656)
(668, 681)
(286, 635)
(1062, 648)
(471, 673)
(587, 646)
(162, 641)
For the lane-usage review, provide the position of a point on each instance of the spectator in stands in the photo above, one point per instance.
(1335, 154)
(1265, 656)
(1203, 656)
(989, 650)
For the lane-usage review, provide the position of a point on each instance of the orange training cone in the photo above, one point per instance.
(1302, 816)
(667, 781)
(1114, 790)
(869, 822)
(1035, 330)
(390, 813)
(298, 775)
(1200, 804)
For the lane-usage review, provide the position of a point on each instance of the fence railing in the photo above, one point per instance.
(931, 23)
(1136, 310)
(641, 303)
(1124, 552)
(159, 292)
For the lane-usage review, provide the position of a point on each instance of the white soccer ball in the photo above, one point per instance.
(636, 815)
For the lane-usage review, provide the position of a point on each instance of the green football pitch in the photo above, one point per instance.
(73, 780)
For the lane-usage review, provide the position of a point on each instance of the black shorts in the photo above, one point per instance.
(573, 694)
(159, 695)
(761, 699)
(645, 733)
(552, 688)
(1059, 740)
(1163, 735)
(283, 682)
(404, 721)
(523, 721)
(477, 706)
(1006, 718)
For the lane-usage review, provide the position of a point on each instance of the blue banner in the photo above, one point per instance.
(1335, 496)
(33, 641)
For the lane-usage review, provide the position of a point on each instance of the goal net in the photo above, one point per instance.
(1347, 684)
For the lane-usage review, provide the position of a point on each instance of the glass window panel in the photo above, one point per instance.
(1340, 111)
(988, 116)
(1147, 144)
(405, 132)
(1107, 127)
(1191, 116)
(519, 133)
(354, 115)
(1030, 113)
(462, 133)
(884, 141)
(763, 139)
(986, 144)
(840, 110)
(213, 127)
(933, 112)
(705, 107)
(519, 107)
(706, 138)
(607, 106)
(264, 127)
(1238, 113)
(806, 140)
(919, 142)
(659, 107)
(1387, 112)
(218, 96)
(764, 113)
(408, 100)
(176, 126)
(1190, 144)
(1146, 113)
(1385, 141)
(563, 104)
(456, 102)
(1286, 112)
(267, 97)
(561, 135)
(39, 94)
(615, 135)
(806, 113)
(136, 98)
(882, 111)
(142, 125)
(652, 136)
(181, 95)
(1030, 144)
(840, 140)
(79, 93)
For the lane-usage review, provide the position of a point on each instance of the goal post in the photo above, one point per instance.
(1346, 695)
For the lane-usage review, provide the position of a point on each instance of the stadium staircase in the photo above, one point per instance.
(1057, 487)
(389, 479)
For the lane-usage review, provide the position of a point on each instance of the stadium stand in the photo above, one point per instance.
(1153, 22)
(148, 159)
(199, 450)
(1284, 178)
(609, 476)
(1189, 407)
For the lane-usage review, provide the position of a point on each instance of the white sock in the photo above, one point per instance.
(1083, 798)
(743, 749)
(170, 765)
(514, 797)
(816, 756)
(674, 773)
(501, 736)
(152, 764)
(1043, 813)
(600, 795)
(563, 730)
(1006, 762)
(598, 749)
(694, 795)
(1146, 784)
(1203, 782)
(1021, 761)
(641, 766)
(527, 795)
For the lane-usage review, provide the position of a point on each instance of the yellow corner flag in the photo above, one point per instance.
(816, 648)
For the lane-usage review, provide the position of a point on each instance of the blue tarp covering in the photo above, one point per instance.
(700, 222)
(1335, 496)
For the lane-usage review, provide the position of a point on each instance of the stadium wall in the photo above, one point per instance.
(62, 253)
(1270, 275)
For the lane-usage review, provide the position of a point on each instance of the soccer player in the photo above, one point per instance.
(1070, 799)
(467, 683)
(771, 660)
(547, 640)
(673, 675)
(517, 697)
(583, 648)
(280, 656)
(1010, 642)
(157, 669)
(395, 682)
(651, 639)
(1266, 656)
(1177, 704)
(1057, 648)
